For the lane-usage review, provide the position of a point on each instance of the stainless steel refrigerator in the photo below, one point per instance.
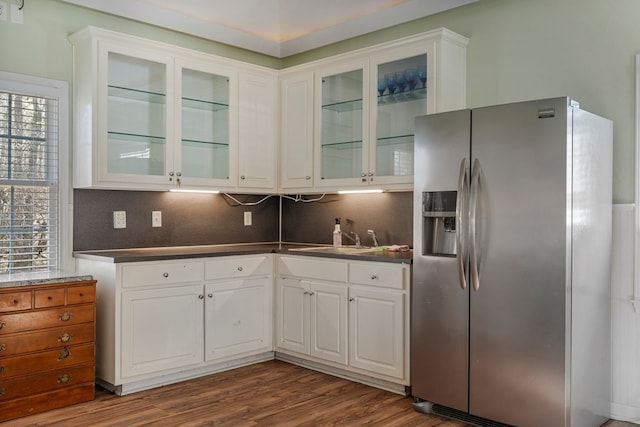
(512, 243)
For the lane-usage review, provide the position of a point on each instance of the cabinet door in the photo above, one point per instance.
(401, 96)
(292, 315)
(135, 115)
(206, 125)
(377, 331)
(238, 318)
(341, 120)
(328, 321)
(257, 131)
(296, 155)
(162, 329)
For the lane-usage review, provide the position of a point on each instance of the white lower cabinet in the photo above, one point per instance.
(358, 322)
(161, 329)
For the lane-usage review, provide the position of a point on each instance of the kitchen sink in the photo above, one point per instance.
(340, 250)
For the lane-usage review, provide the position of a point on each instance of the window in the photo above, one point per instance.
(32, 193)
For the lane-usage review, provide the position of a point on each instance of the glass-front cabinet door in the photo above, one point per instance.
(203, 126)
(137, 123)
(342, 126)
(401, 96)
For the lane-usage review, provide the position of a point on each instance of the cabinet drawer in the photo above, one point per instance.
(35, 404)
(49, 297)
(231, 267)
(377, 274)
(81, 294)
(313, 268)
(15, 301)
(46, 360)
(12, 388)
(146, 274)
(26, 342)
(21, 322)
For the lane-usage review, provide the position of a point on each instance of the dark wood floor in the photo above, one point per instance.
(267, 394)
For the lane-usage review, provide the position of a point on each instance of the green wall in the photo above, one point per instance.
(519, 49)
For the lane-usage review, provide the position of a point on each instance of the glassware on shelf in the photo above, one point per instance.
(382, 86)
(400, 81)
(422, 74)
(390, 80)
(411, 77)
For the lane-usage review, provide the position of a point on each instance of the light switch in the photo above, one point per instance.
(119, 219)
(156, 218)
(247, 218)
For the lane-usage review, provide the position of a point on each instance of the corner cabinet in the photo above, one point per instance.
(362, 111)
(154, 116)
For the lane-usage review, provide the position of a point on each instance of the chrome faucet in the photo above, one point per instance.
(355, 239)
(373, 237)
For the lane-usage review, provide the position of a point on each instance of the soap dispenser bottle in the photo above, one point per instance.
(337, 234)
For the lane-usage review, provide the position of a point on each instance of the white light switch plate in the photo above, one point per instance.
(247, 218)
(119, 219)
(156, 218)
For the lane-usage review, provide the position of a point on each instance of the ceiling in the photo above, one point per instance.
(274, 27)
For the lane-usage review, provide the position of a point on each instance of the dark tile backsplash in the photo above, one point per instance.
(208, 219)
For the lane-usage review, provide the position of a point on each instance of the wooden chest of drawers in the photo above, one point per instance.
(47, 347)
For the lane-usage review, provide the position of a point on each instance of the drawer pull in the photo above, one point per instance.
(3, 347)
(1, 391)
(15, 302)
(1, 369)
(374, 277)
(352, 299)
(64, 338)
(201, 296)
(165, 274)
(65, 317)
(81, 294)
(210, 295)
(65, 379)
(2, 325)
(240, 268)
(49, 297)
(64, 354)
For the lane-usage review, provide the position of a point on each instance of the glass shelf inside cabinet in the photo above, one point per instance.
(406, 96)
(344, 106)
(343, 144)
(213, 144)
(395, 140)
(120, 136)
(199, 104)
(136, 94)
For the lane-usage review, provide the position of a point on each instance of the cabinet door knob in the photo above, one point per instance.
(306, 292)
(307, 177)
(242, 177)
(170, 173)
(351, 299)
(210, 295)
(370, 173)
(240, 268)
(363, 174)
(165, 274)
(311, 293)
(178, 173)
(374, 277)
(201, 296)
(65, 317)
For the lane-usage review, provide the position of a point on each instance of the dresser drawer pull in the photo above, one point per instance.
(65, 317)
(1, 391)
(65, 379)
(64, 354)
(1, 369)
(2, 325)
(15, 302)
(64, 338)
(3, 347)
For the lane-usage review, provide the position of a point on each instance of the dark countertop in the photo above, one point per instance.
(203, 251)
(10, 280)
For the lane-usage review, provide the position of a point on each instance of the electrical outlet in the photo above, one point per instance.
(3, 11)
(17, 15)
(156, 218)
(119, 219)
(247, 218)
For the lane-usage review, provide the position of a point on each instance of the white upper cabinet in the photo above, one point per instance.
(154, 116)
(364, 106)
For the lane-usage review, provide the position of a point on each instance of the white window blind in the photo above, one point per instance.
(29, 231)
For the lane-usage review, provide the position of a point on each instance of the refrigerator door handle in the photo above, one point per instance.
(473, 207)
(461, 211)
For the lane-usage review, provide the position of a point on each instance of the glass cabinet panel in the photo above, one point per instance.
(136, 116)
(205, 125)
(402, 95)
(342, 127)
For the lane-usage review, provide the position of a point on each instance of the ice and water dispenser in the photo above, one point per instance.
(439, 223)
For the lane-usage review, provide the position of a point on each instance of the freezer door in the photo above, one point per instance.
(439, 305)
(518, 314)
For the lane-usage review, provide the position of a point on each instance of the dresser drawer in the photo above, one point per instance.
(49, 297)
(12, 388)
(81, 294)
(21, 322)
(377, 274)
(313, 268)
(46, 360)
(15, 301)
(233, 267)
(45, 339)
(165, 273)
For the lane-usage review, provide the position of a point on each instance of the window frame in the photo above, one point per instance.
(39, 86)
